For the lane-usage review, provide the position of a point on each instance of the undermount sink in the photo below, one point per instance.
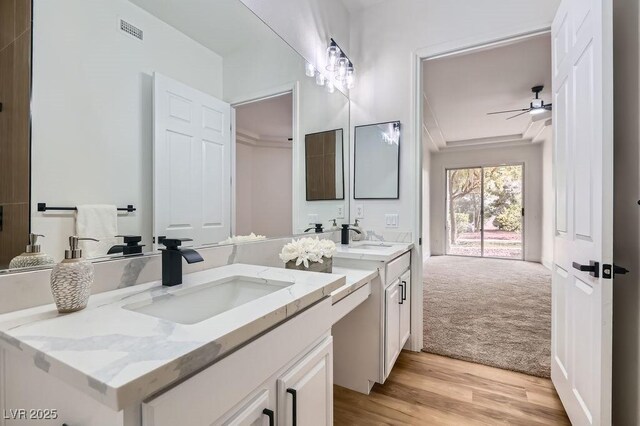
(196, 304)
(372, 246)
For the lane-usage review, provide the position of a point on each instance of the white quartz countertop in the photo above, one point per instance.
(356, 278)
(120, 357)
(372, 250)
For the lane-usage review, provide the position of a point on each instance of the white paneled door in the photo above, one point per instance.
(192, 163)
(582, 43)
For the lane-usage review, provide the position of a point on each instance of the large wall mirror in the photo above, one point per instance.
(377, 161)
(324, 162)
(152, 118)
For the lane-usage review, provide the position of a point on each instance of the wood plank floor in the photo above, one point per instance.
(427, 389)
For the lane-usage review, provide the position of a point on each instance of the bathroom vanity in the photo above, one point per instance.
(231, 345)
(369, 339)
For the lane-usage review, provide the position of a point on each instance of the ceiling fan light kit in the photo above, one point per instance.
(537, 106)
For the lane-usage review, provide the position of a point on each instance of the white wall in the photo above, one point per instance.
(384, 39)
(626, 249)
(92, 108)
(530, 155)
(263, 192)
(256, 74)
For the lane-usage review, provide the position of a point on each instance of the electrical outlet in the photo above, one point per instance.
(391, 220)
(359, 211)
(340, 212)
(312, 218)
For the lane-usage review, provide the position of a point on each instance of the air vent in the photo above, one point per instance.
(130, 29)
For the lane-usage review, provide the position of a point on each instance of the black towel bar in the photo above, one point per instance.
(42, 207)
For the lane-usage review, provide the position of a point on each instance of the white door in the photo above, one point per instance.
(192, 163)
(392, 297)
(583, 123)
(305, 393)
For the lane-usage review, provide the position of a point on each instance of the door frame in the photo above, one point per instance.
(482, 167)
(294, 89)
(433, 51)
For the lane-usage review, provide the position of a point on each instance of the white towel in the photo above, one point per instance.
(99, 221)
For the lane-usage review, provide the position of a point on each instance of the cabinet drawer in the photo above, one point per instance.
(397, 266)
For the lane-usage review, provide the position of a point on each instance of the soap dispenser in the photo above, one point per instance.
(32, 256)
(71, 279)
(357, 236)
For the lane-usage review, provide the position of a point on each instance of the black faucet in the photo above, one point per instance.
(318, 228)
(344, 233)
(131, 245)
(172, 260)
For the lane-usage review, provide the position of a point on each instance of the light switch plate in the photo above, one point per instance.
(359, 211)
(391, 220)
(312, 218)
(340, 212)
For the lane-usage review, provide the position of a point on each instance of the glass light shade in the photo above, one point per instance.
(330, 86)
(333, 53)
(350, 78)
(309, 70)
(537, 111)
(342, 68)
(320, 80)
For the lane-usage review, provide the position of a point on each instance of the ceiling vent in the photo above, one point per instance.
(131, 29)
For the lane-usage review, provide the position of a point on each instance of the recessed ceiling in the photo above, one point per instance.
(459, 91)
(223, 26)
(356, 5)
(266, 121)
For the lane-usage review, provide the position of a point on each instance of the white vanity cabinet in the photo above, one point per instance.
(369, 339)
(255, 385)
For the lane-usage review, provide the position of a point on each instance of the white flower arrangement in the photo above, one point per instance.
(243, 238)
(307, 250)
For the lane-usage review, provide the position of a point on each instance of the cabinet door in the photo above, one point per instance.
(393, 297)
(257, 411)
(305, 392)
(405, 308)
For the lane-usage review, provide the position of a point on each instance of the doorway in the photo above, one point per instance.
(263, 173)
(485, 211)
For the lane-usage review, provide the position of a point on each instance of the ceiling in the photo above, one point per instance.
(269, 121)
(223, 26)
(459, 91)
(357, 5)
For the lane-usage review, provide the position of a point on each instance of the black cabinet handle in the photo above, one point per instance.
(271, 415)
(404, 290)
(593, 268)
(294, 396)
(400, 299)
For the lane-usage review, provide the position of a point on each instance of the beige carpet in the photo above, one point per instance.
(489, 311)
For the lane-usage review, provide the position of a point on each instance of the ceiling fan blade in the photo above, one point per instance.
(511, 110)
(518, 115)
(548, 107)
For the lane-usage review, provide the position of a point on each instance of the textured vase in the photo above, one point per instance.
(326, 266)
(71, 284)
(30, 260)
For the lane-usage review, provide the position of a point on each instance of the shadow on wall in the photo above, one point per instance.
(626, 249)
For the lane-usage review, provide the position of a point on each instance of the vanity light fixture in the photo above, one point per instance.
(340, 70)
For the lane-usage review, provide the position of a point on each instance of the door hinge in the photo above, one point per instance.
(610, 271)
(523, 211)
(419, 241)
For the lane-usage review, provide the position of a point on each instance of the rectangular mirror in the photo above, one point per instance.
(324, 162)
(377, 161)
(152, 118)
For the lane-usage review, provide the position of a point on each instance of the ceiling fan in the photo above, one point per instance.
(537, 106)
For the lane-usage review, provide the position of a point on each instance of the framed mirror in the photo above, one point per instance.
(377, 161)
(324, 165)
